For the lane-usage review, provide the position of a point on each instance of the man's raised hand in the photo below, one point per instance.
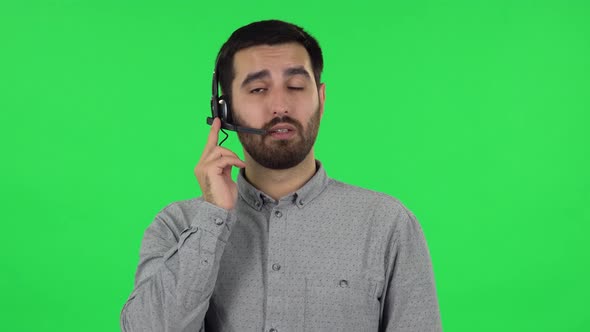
(213, 171)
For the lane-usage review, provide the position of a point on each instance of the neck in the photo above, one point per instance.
(279, 182)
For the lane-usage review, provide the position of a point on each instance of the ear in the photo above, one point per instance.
(322, 98)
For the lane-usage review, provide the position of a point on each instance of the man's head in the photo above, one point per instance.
(270, 73)
(271, 32)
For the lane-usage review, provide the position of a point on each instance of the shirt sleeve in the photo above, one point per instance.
(179, 261)
(410, 302)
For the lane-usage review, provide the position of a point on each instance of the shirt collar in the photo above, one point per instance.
(301, 197)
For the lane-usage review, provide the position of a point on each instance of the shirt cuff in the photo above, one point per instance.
(215, 220)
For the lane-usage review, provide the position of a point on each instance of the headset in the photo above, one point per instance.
(221, 109)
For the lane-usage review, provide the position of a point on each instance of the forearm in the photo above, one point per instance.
(173, 289)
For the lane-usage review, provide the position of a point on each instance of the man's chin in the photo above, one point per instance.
(280, 142)
(279, 165)
(277, 156)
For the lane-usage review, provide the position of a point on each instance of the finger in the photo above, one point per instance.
(213, 137)
(223, 162)
(218, 152)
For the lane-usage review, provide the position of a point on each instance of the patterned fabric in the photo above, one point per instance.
(328, 257)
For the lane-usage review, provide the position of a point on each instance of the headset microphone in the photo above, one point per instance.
(232, 127)
(235, 128)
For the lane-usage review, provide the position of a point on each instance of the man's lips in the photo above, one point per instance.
(281, 128)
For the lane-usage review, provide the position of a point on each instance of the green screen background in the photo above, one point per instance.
(473, 113)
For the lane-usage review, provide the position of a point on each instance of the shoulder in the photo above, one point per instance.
(375, 199)
(383, 207)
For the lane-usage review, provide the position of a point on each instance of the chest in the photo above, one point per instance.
(302, 269)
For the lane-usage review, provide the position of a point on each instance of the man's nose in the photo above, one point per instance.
(279, 103)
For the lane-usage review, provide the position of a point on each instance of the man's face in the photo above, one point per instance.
(274, 89)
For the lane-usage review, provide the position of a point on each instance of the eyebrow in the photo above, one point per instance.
(255, 76)
(293, 71)
(299, 70)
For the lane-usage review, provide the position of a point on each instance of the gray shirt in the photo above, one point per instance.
(328, 257)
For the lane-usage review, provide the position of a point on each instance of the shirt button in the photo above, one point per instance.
(278, 214)
(276, 267)
(218, 221)
(343, 283)
(257, 204)
(273, 330)
(301, 202)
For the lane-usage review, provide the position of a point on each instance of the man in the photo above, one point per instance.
(285, 248)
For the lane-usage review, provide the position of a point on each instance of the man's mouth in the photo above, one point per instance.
(282, 130)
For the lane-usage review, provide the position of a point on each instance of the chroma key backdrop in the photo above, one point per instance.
(473, 113)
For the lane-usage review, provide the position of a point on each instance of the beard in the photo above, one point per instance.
(281, 154)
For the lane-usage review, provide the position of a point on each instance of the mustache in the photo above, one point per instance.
(283, 119)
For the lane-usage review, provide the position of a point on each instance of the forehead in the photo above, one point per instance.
(270, 57)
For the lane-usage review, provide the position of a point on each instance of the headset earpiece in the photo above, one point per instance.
(225, 110)
(221, 108)
(214, 107)
(219, 104)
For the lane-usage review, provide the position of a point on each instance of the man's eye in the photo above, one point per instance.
(295, 88)
(257, 90)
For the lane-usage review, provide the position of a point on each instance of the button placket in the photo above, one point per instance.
(275, 267)
(278, 215)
